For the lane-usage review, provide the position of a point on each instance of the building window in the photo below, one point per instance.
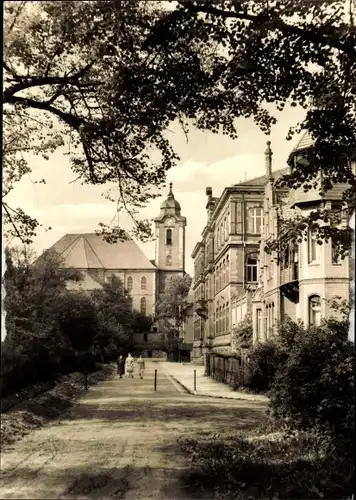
(145, 337)
(259, 323)
(254, 219)
(314, 310)
(335, 255)
(272, 315)
(143, 283)
(143, 305)
(295, 262)
(286, 257)
(129, 283)
(313, 250)
(169, 237)
(251, 268)
(168, 260)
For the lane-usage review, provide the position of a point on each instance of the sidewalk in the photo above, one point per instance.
(183, 373)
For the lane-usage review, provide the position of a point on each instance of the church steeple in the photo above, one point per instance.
(170, 238)
(170, 206)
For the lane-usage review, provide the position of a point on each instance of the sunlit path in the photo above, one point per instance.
(120, 441)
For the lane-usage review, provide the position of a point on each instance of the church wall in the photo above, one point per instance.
(141, 288)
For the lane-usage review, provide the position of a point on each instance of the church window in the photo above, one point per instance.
(169, 237)
(129, 283)
(143, 283)
(143, 305)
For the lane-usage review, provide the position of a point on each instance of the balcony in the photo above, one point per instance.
(201, 308)
(289, 283)
(289, 274)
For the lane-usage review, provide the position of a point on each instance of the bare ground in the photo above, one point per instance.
(120, 442)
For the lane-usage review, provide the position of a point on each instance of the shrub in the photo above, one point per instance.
(266, 466)
(264, 362)
(315, 386)
(77, 319)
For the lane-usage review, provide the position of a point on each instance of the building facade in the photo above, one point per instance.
(225, 262)
(233, 274)
(299, 280)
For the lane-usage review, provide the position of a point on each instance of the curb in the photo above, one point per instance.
(180, 387)
(200, 394)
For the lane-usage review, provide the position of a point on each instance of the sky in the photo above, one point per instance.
(207, 159)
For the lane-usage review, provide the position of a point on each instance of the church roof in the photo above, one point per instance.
(91, 251)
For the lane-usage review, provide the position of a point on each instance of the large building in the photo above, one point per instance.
(233, 275)
(144, 279)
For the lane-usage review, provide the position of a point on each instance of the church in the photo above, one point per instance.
(143, 278)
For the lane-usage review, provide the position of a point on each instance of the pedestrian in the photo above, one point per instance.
(141, 366)
(129, 366)
(121, 366)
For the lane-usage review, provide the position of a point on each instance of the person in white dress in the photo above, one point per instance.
(129, 366)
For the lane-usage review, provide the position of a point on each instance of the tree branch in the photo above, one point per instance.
(311, 36)
(6, 208)
(71, 120)
(39, 81)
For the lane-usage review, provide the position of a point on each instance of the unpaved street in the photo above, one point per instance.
(119, 442)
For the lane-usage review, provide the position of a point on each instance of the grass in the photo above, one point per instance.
(268, 464)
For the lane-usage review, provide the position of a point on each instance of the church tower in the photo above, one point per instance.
(170, 240)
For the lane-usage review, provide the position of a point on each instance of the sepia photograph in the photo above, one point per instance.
(178, 250)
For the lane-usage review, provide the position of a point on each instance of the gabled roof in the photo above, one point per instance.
(257, 181)
(304, 143)
(261, 181)
(91, 251)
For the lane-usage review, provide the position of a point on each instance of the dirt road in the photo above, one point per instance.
(119, 442)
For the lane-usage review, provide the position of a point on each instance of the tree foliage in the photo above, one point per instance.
(116, 74)
(33, 288)
(51, 329)
(172, 307)
(242, 333)
(117, 321)
(315, 386)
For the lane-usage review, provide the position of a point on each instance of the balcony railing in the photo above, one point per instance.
(201, 308)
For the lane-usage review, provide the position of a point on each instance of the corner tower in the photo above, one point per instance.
(170, 240)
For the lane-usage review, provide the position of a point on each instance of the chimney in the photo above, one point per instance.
(210, 204)
(268, 155)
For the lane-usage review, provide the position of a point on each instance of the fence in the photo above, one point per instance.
(231, 370)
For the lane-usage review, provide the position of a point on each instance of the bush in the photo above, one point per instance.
(264, 362)
(265, 466)
(315, 386)
(25, 365)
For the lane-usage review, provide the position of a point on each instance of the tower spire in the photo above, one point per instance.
(170, 188)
